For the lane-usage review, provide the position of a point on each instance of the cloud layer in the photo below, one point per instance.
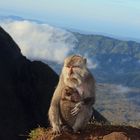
(40, 41)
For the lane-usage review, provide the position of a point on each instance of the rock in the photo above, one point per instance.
(116, 136)
(26, 89)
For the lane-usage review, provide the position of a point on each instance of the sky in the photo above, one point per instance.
(118, 18)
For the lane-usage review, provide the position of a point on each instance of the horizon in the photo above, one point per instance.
(114, 18)
(113, 36)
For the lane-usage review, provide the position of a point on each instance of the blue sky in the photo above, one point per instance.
(120, 18)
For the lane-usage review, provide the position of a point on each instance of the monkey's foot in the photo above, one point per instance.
(66, 128)
(77, 131)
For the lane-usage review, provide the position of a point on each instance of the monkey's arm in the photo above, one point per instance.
(89, 98)
(54, 111)
(89, 101)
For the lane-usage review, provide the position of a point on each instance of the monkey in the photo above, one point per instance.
(69, 98)
(74, 74)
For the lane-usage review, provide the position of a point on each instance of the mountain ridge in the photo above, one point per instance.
(119, 58)
(26, 89)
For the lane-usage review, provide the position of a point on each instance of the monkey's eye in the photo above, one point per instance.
(68, 93)
(68, 66)
(76, 66)
(72, 66)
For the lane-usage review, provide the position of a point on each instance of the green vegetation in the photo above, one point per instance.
(39, 133)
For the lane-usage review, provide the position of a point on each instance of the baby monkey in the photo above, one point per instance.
(69, 98)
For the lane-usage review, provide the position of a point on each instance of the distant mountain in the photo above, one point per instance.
(117, 61)
(17, 18)
(12, 17)
(118, 104)
(114, 61)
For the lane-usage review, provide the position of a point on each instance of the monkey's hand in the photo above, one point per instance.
(56, 130)
(77, 108)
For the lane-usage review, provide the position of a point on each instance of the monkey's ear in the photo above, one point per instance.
(85, 60)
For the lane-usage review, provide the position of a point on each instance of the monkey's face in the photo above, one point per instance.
(71, 94)
(75, 97)
(66, 93)
(74, 70)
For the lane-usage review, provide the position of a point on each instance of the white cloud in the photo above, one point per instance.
(40, 41)
(122, 89)
(92, 63)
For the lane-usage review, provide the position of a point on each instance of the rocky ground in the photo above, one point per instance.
(92, 132)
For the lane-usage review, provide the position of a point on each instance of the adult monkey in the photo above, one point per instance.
(75, 74)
